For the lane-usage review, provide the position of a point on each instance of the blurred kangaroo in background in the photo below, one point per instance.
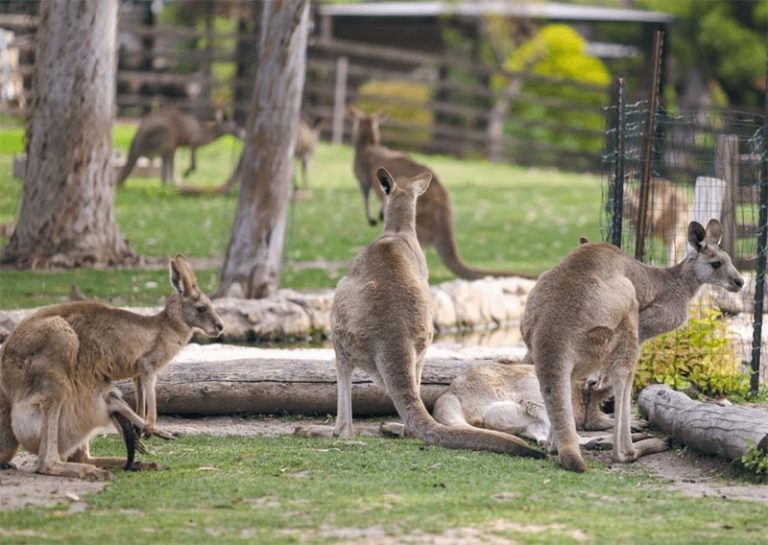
(162, 132)
(434, 217)
(57, 368)
(667, 217)
(588, 316)
(306, 144)
(381, 322)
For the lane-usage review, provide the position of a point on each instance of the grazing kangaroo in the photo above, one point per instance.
(57, 367)
(162, 132)
(667, 213)
(434, 219)
(381, 322)
(588, 316)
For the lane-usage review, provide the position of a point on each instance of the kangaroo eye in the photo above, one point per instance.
(715, 264)
(201, 309)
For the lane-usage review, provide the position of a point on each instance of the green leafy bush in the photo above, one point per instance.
(698, 356)
(405, 101)
(755, 461)
(557, 51)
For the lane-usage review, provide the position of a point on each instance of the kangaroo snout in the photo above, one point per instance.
(736, 284)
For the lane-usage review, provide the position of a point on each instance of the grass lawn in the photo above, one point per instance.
(292, 490)
(506, 217)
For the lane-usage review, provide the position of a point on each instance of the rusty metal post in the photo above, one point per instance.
(618, 174)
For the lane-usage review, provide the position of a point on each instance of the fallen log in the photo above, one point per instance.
(285, 381)
(712, 429)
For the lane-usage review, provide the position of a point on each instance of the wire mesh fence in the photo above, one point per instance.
(663, 171)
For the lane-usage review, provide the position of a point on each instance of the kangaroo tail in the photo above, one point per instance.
(130, 162)
(411, 409)
(445, 245)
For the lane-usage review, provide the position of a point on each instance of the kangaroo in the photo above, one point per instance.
(381, 322)
(57, 367)
(589, 314)
(668, 210)
(162, 132)
(434, 219)
(306, 143)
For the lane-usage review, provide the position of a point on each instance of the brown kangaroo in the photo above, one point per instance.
(162, 132)
(668, 210)
(306, 144)
(58, 365)
(588, 315)
(381, 322)
(434, 219)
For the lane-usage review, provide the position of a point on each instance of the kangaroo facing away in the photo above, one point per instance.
(306, 144)
(507, 398)
(588, 315)
(162, 132)
(381, 322)
(58, 365)
(434, 217)
(668, 210)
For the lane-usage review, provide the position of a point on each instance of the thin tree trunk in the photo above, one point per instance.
(254, 257)
(66, 216)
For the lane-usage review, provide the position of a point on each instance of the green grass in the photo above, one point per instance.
(289, 490)
(506, 217)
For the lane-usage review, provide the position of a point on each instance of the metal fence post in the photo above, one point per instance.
(618, 175)
(339, 100)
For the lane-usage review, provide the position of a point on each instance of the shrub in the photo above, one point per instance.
(698, 356)
(755, 462)
(405, 101)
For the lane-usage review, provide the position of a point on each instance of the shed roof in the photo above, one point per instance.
(554, 11)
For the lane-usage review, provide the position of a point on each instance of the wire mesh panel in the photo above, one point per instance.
(702, 165)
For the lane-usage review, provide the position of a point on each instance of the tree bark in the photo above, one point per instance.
(254, 257)
(66, 216)
(277, 386)
(709, 428)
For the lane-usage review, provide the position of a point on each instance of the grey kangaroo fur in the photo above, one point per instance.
(381, 322)
(162, 132)
(589, 314)
(434, 217)
(58, 365)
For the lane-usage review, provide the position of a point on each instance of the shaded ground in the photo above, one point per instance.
(689, 473)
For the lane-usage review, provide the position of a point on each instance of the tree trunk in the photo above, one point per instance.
(276, 386)
(709, 428)
(66, 216)
(254, 257)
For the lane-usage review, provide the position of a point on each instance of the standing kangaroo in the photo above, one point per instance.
(667, 213)
(381, 322)
(306, 143)
(588, 316)
(57, 367)
(434, 219)
(162, 132)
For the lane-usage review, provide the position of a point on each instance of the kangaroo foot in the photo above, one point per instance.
(313, 431)
(572, 461)
(149, 432)
(7, 466)
(605, 442)
(76, 470)
(394, 429)
(144, 466)
(372, 222)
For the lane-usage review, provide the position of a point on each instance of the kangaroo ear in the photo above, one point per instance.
(182, 278)
(583, 240)
(714, 232)
(381, 116)
(354, 112)
(386, 181)
(421, 182)
(696, 235)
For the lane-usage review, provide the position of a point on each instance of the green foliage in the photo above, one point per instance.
(698, 356)
(406, 102)
(755, 462)
(557, 51)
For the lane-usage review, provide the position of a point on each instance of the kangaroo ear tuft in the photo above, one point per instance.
(176, 280)
(696, 235)
(386, 181)
(420, 182)
(583, 240)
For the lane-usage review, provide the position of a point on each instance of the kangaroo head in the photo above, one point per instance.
(365, 130)
(411, 188)
(710, 263)
(196, 309)
(226, 125)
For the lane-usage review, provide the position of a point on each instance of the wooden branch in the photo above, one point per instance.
(709, 428)
(277, 386)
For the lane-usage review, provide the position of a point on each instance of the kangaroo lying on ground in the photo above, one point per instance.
(57, 367)
(588, 316)
(162, 132)
(381, 322)
(667, 213)
(434, 219)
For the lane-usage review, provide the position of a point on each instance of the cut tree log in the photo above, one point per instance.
(706, 427)
(254, 381)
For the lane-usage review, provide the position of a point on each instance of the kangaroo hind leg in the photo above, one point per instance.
(9, 444)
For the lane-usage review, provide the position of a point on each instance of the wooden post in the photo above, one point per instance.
(339, 100)
(727, 168)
